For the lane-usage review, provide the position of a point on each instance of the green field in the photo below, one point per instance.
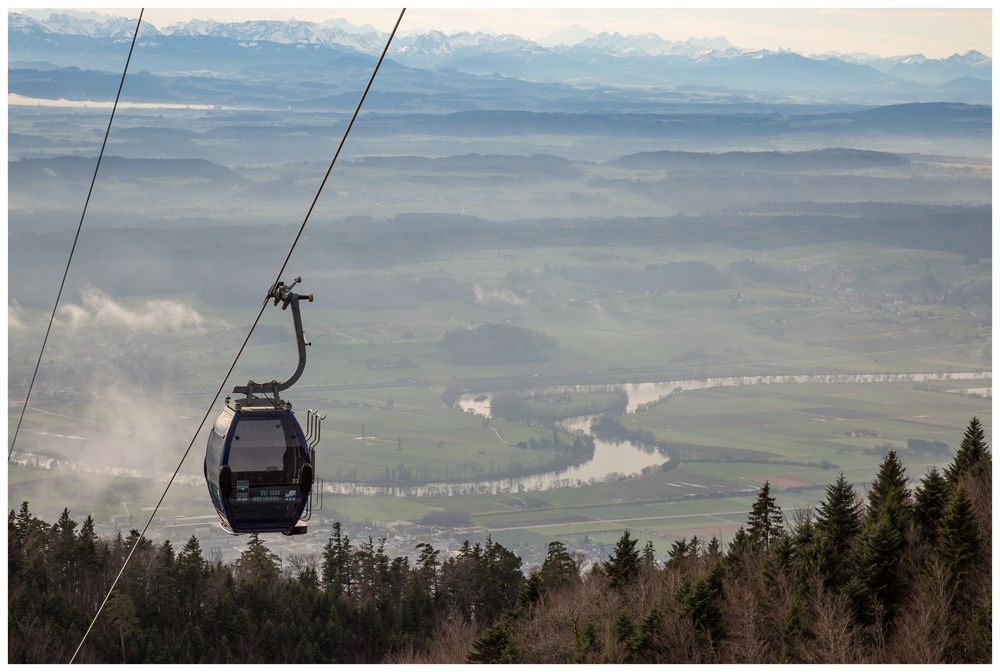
(384, 368)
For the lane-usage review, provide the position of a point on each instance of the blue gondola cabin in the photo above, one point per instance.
(258, 468)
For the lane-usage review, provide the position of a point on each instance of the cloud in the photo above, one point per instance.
(15, 317)
(105, 439)
(153, 315)
(487, 296)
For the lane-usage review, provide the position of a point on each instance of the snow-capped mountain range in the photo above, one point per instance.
(281, 32)
(650, 44)
(341, 33)
(575, 57)
(88, 24)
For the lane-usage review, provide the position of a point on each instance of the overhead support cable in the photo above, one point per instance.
(253, 326)
(76, 238)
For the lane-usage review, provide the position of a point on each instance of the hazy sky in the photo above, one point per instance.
(934, 32)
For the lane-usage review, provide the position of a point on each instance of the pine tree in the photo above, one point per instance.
(973, 452)
(191, 572)
(678, 551)
(531, 590)
(368, 579)
(497, 645)
(839, 515)
(191, 555)
(790, 631)
(623, 626)
(623, 565)
(167, 553)
(838, 522)
(141, 543)
(558, 569)
(87, 543)
(739, 543)
(163, 583)
(702, 603)
(889, 490)
(642, 643)
(500, 580)
(118, 544)
(877, 572)
(65, 528)
(66, 547)
(649, 555)
(714, 549)
(931, 502)
(428, 563)
(257, 562)
(585, 640)
(309, 578)
(765, 524)
(694, 547)
(336, 563)
(24, 521)
(780, 562)
(14, 555)
(959, 541)
(808, 554)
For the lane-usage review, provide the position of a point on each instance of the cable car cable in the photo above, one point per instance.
(76, 238)
(284, 263)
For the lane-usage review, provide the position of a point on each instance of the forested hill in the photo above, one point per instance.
(902, 575)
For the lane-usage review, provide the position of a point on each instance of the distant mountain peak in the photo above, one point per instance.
(89, 24)
(567, 36)
(292, 31)
(348, 27)
(651, 44)
(437, 43)
(971, 57)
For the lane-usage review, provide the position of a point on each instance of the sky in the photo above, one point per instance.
(883, 32)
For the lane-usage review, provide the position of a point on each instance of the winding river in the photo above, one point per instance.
(610, 461)
(619, 460)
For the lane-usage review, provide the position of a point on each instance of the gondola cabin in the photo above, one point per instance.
(259, 468)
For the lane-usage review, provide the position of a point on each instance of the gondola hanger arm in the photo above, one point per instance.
(281, 293)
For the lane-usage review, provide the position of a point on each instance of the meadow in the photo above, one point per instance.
(380, 371)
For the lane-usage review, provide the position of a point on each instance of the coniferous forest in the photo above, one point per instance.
(899, 574)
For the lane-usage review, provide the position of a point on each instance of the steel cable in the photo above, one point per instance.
(232, 366)
(76, 238)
